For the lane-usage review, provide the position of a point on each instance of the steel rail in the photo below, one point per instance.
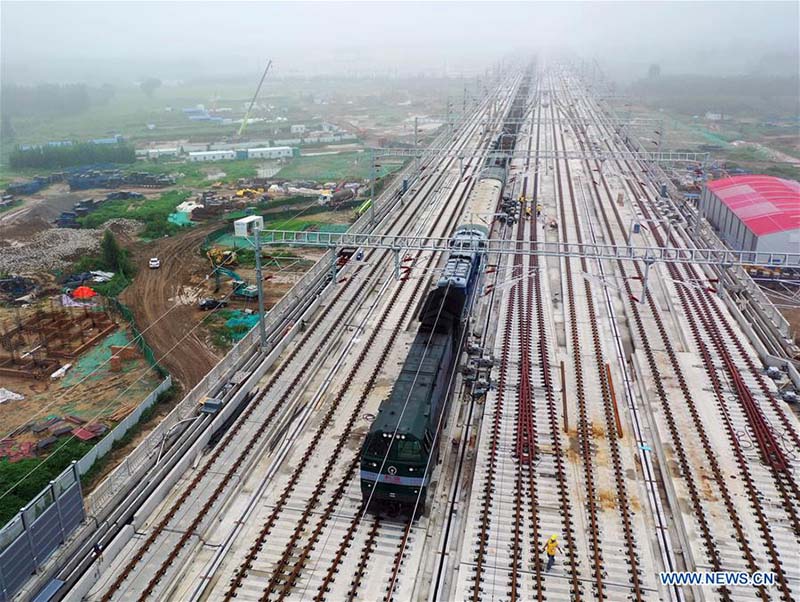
(697, 305)
(678, 437)
(277, 574)
(585, 432)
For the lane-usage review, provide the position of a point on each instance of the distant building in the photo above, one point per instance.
(155, 153)
(274, 152)
(297, 129)
(112, 140)
(218, 155)
(754, 213)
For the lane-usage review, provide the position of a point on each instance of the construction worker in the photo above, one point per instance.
(551, 548)
(538, 210)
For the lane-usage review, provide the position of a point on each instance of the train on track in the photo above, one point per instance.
(401, 447)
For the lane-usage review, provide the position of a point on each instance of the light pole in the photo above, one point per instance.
(416, 141)
(243, 227)
(372, 189)
(262, 333)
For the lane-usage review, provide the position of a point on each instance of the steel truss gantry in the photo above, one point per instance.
(723, 258)
(570, 155)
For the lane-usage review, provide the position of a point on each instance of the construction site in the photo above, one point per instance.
(62, 369)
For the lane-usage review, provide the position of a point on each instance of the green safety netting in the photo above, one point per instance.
(89, 364)
(180, 219)
(240, 323)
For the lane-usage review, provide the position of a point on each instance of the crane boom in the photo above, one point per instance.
(252, 102)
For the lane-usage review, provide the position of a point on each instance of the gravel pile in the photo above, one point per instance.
(48, 250)
(128, 227)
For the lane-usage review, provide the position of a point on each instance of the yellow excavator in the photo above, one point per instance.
(222, 257)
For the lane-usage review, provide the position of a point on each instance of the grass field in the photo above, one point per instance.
(196, 174)
(153, 212)
(341, 166)
(687, 133)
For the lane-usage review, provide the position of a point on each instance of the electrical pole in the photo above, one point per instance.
(416, 141)
(372, 189)
(262, 333)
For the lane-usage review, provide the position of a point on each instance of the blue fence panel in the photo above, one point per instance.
(46, 533)
(16, 565)
(71, 506)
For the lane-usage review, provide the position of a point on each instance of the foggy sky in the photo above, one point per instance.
(121, 41)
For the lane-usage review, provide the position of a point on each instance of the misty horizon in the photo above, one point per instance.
(122, 42)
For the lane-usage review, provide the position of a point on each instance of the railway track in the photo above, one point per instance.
(523, 454)
(543, 465)
(589, 439)
(183, 523)
(704, 319)
(289, 566)
(285, 572)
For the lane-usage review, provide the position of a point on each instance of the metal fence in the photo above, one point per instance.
(119, 431)
(28, 539)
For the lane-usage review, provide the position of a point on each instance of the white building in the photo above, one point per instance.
(274, 152)
(297, 129)
(155, 153)
(217, 155)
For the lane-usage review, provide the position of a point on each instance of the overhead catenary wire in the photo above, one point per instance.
(405, 405)
(439, 195)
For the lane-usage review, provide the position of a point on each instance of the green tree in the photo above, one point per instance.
(79, 153)
(114, 256)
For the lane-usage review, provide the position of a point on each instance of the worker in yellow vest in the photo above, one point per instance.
(551, 548)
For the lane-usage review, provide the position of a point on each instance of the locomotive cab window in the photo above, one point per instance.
(406, 450)
(378, 445)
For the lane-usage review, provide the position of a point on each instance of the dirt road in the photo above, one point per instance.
(165, 309)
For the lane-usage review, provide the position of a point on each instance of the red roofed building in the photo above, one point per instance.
(755, 213)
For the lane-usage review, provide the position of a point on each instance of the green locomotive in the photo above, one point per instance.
(401, 448)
